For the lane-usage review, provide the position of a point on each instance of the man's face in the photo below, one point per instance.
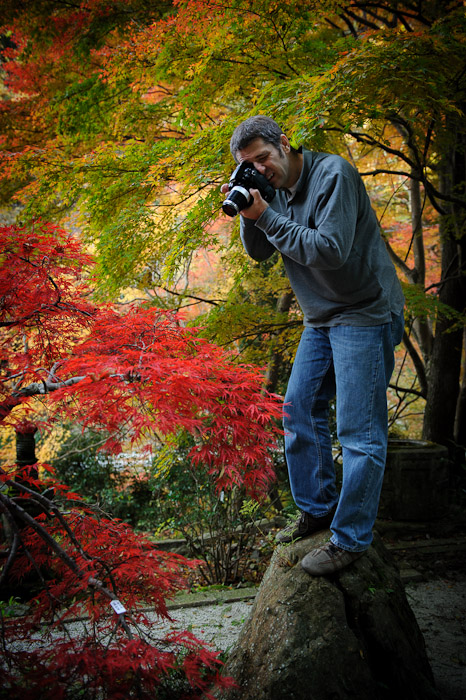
(270, 161)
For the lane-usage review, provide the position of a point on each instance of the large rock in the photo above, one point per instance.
(349, 635)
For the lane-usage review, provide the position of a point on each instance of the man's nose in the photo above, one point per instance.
(260, 167)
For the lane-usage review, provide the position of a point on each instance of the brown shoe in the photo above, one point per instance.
(328, 559)
(304, 526)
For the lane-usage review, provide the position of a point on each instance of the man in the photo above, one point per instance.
(322, 223)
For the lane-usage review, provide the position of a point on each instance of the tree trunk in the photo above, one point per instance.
(460, 424)
(26, 448)
(445, 363)
(276, 354)
(26, 445)
(271, 382)
(421, 327)
(25, 456)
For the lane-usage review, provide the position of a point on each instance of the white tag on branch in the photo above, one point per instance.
(118, 607)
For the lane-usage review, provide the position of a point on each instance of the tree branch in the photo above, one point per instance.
(366, 138)
(16, 510)
(399, 262)
(213, 302)
(405, 390)
(20, 513)
(402, 14)
(431, 191)
(49, 507)
(383, 171)
(418, 364)
(47, 387)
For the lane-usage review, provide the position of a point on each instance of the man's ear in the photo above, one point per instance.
(285, 143)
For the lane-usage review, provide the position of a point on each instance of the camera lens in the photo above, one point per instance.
(238, 199)
(230, 208)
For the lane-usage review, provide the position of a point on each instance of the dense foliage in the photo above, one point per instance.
(140, 378)
(85, 632)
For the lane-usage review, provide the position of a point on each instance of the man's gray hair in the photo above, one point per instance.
(254, 128)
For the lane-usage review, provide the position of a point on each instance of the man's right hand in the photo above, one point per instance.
(257, 208)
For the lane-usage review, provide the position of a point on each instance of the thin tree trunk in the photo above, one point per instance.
(276, 356)
(272, 376)
(421, 327)
(460, 423)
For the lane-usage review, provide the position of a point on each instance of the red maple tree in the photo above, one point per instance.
(137, 375)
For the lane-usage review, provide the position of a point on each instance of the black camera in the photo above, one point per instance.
(244, 178)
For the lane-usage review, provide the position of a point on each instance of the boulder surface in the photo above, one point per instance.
(351, 635)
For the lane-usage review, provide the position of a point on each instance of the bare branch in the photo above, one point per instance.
(418, 363)
(47, 386)
(20, 513)
(362, 20)
(49, 507)
(368, 139)
(388, 171)
(213, 302)
(399, 262)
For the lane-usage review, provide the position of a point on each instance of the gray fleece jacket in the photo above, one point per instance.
(330, 242)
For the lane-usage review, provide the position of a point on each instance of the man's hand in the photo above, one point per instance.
(257, 207)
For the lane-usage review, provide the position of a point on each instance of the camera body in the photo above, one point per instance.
(244, 178)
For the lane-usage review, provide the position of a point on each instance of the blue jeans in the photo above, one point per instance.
(354, 363)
